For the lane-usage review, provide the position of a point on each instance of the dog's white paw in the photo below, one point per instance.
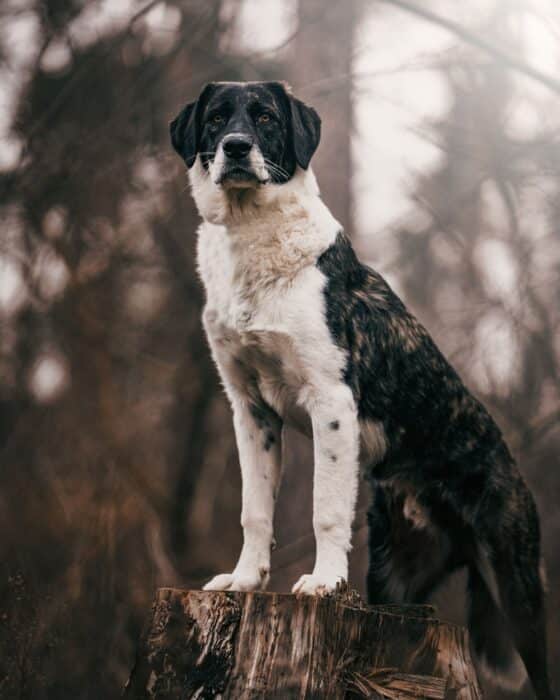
(239, 581)
(313, 584)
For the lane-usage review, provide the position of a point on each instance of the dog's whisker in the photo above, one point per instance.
(273, 169)
(275, 165)
(276, 169)
(277, 172)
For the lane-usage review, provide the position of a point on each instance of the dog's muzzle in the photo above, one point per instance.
(241, 164)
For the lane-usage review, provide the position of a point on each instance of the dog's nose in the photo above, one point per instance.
(237, 147)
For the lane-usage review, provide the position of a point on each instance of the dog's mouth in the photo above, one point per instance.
(237, 173)
(239, 176)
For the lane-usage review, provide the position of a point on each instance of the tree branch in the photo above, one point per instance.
(471, 38)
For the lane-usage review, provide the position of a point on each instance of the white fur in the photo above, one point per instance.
(266, 324)
(260, 470)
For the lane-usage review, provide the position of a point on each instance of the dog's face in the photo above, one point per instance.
(247, 134)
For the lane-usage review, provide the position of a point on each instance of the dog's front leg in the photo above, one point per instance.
(335, 487)
(258, 435)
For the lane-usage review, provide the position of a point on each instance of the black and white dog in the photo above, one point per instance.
(304, 334)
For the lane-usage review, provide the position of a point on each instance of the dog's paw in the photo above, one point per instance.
(239, 581)
(313, 584)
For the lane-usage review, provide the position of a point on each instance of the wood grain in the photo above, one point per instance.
(202, 644)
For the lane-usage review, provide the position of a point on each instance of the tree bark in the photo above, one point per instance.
(202, 644)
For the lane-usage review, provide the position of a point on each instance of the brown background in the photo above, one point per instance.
(118, 470)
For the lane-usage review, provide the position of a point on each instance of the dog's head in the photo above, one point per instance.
(247, 134)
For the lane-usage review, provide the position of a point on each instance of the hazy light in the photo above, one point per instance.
(263, 25)
(495, 211)
(498, 268)
(495, 363)
(445, 251)
(48, 377)
(399, 97)
(163, 22)
(541, 41)
(524, 118)
(54, 222)
(98, 18)
(13, 291)
(148, 171)
(395, 94)
(53, 275)
(10, 152)
(163, 18)
(19, 40)
(145, 299)
(57, 57)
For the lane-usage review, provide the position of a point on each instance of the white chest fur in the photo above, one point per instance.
(265, 306)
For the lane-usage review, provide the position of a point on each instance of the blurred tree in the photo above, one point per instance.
(108, 394)
(322, 70)
(480, 264)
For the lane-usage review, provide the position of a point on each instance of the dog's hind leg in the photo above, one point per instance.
(491, 639)
(507, 596)
(506, 616)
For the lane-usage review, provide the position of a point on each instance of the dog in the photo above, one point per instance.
(303, 334)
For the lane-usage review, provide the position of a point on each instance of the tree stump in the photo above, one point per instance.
(202, 644)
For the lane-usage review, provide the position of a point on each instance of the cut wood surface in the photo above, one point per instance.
(202, 644)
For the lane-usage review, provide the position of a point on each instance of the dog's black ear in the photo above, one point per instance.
(306, 131)
(186, 127)
(184, 133)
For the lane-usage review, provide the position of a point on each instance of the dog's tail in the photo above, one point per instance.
(492, 646)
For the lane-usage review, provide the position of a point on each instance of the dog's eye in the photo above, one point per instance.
(263, 118)
(217, 119)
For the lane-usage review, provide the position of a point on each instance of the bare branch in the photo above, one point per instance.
(475, 40)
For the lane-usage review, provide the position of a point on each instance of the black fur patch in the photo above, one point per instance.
(445, 449)
(269, 440)
(400, 378)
